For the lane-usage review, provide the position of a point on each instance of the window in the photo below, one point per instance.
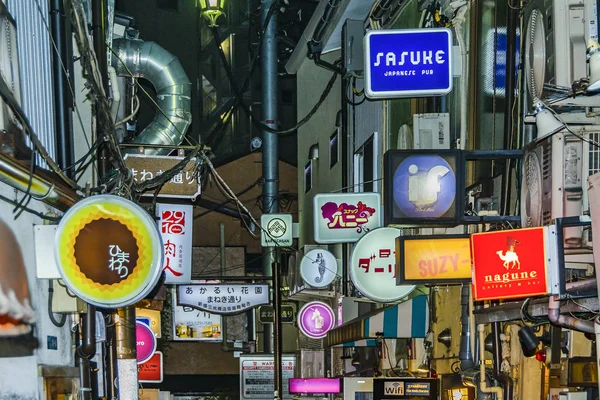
(366, 168)
(334, 149)
(308, 177)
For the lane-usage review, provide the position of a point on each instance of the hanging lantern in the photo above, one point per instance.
(212, 10)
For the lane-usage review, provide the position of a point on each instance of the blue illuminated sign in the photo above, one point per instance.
(408, 63)
(424, 186)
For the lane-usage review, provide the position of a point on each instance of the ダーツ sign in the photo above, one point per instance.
(223, 299)
(373, 266)
(408, 63)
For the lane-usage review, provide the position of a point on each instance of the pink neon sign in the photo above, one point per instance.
(315, 385)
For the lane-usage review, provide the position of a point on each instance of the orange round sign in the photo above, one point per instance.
(108, 251)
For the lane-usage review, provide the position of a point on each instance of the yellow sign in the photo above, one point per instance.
(433, 259)
(108, 251)
(153, 316)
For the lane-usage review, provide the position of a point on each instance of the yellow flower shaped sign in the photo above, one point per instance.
(108, 251)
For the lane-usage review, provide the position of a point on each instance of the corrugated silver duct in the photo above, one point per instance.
(173, 90)
(35, 70)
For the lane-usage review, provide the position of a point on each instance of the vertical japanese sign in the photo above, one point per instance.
(175, 225)
(373, 266)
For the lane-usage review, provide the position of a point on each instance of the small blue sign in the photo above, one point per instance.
(408, 63)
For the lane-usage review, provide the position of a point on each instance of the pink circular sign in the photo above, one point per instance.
(315, 319)
(145, 342)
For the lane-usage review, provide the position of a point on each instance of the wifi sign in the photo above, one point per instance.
(393, 388)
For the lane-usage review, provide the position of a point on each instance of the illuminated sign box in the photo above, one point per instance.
(509, 264)
(423, 187)
(433, 259)
(408, 63)
(405, 388)
(315, 385)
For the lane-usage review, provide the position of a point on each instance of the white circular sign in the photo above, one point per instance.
(373, 266)
(318, 268)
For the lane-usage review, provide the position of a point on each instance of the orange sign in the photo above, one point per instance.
(152, 370)
(509, 264)
(433, 259)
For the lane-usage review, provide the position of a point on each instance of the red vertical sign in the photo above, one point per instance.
(509, 264)
(152, 370)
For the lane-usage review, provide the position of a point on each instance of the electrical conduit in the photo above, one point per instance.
(497, 390)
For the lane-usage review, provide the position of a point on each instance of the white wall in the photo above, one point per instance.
(19, 376)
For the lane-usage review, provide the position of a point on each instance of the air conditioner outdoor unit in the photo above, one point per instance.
(431, 131)
(555, 44)
(552, 183)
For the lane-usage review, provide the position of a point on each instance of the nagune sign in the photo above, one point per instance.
(433, 259)
(422, 186)
(108, 251)
(345, 217)
(408, 63)
(509, 264)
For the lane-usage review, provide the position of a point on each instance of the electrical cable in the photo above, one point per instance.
(90, 66)
(13, 104)
(241, 193)
(64, 69)
(135, 111)
(58, 323)
(256, 121)
(29, 210)
(568, 128)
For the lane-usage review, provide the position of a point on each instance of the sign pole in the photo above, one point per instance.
(277, 370)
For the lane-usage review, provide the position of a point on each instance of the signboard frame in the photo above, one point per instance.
(265, 292)
(401, 260)
(331, 385)
(507, 276)
(267, 238)
(379, 388)
(158, 354)
(293, 306)
(165, 190)
(391, 162)
(349, 235)
(286, 358)
(403, 93)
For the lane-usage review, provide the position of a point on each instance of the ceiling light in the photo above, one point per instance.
(212, 10)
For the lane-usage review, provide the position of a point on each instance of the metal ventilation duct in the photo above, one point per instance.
(173, 90)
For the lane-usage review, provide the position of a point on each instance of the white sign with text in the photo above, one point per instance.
(175, 223)
(223, 299)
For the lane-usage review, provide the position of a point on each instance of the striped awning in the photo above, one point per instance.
(409, 319)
